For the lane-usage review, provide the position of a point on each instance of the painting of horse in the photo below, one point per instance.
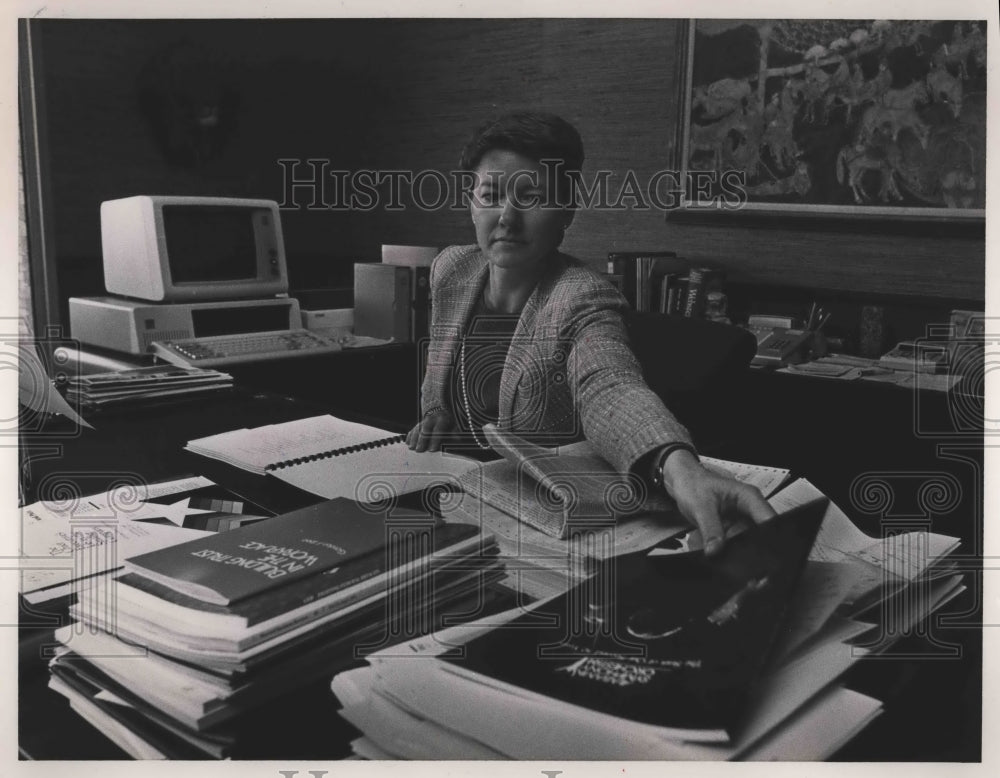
(836, 115)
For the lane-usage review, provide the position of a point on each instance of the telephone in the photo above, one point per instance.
(782, 346)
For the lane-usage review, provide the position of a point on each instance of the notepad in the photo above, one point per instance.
(332, 457)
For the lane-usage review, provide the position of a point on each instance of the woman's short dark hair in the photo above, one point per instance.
(538, 136)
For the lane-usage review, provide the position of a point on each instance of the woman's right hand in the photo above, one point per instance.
(431, 431)
(704, 497)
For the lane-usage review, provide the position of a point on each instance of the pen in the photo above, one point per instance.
(822, 321)
(812, 316)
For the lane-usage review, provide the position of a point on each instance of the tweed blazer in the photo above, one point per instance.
(569, 374)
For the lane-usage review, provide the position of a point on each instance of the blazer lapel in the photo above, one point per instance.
(456, 303)
(524, 341)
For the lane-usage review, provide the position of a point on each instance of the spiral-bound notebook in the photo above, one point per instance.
(331, 457)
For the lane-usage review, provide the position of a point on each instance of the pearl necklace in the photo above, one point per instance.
(465, 397)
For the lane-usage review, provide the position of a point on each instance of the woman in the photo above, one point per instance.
(529, 338)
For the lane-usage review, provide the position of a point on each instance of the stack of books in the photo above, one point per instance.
(667, 654)
(143, 385)
(182, 654)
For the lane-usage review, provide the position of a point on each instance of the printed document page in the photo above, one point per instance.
(376, 474)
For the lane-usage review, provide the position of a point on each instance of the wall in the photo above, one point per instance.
(406, 94)
(610, 78)
(617, 81)
(302, 90)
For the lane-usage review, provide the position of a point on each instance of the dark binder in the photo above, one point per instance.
(673, 641)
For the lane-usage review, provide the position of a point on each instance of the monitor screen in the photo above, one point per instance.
(210, 244)
(172, 248)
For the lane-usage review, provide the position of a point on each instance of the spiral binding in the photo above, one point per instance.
(336, 452)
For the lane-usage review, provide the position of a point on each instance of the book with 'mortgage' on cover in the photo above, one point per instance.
(232, 566)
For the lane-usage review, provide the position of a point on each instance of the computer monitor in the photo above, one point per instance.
(169, 248)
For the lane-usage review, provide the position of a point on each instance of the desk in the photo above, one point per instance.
(894, 459)
(863, 443)
(149, 445)
(932, 706)
(381, 382)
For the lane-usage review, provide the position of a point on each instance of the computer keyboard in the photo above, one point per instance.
(222, 350)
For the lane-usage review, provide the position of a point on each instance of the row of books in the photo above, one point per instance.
(196, 645)
(742, 660)
(144, 385)
(662, 282)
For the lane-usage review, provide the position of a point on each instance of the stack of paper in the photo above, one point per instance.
(67, 544)
(452, 705)
(561, 490)
(541, 565)
(420, 707)
(144, 385)
(195, 641)
(901, 577)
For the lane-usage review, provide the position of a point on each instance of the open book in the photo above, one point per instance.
(331, 457)
(555, 490)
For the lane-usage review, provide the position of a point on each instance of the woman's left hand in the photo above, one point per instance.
(434, 429)
(705, 497)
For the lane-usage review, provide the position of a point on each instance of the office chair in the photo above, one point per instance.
(696, 367)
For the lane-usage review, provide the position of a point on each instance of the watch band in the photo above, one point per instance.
(667, 450)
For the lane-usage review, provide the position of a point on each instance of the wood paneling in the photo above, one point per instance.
(892, 264)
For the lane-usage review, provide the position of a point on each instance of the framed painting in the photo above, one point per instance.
(816, 117)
